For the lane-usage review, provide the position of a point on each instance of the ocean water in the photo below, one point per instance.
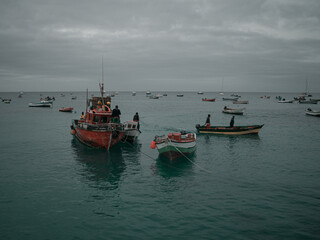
(233, 187)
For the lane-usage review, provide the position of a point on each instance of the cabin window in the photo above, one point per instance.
(104, 119)
(96, 118)
(133, 126)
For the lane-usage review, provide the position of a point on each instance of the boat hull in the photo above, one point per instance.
(43, 105)
(174, 150)
(234, 112)
(131, 135)
(65, 109)
(313, 113)
(223, 130)
(97, 138)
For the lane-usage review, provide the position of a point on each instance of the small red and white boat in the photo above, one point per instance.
(68, 109)
(175, 145)
(208, 100)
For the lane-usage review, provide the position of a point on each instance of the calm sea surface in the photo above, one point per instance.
(247, 187)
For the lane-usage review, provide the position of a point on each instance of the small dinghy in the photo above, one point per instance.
(285, 101)
(230, 99)
(208, 99)
(131, 131)
(237, 111)
(240, 102)
(68, 109)
(308, 102)
(311, 112)
(175, 145)
(41, 104)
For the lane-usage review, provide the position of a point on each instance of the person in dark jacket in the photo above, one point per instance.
(136, 119)
(232, 121)
(116, 114)
(208, 121)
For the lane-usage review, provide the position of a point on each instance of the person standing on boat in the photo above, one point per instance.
(208, 121)
(136, 119)
(232, 122)
(116, 114)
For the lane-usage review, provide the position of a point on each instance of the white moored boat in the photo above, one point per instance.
(237, 111)
(41, 104)
(131, 131)
(285, 101)
(311, 112)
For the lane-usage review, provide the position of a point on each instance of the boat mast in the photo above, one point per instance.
(87, 101)
(101, 88)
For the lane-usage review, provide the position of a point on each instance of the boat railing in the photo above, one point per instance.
(105, 127)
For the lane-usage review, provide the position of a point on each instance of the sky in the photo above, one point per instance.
(160, 45)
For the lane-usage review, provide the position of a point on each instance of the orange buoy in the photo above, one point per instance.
(73, 132)
(153, 145)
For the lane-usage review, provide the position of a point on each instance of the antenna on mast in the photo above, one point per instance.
(102, 88)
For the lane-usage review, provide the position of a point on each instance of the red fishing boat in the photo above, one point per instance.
(96, 128)
(208, 100)
(67, 109)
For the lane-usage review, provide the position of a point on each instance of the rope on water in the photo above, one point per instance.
(190, 159)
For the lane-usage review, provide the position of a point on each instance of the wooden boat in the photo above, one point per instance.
(230, 99)
(41, 104)
(237, 111)
(68, 109)
(200, 93)
(175, 145)
(208, 99)
(311, 112)
(315, 99)
(131, 131)
(74, 97)
(240, 102)
(226, 130)
(179, 95)
(307, 102)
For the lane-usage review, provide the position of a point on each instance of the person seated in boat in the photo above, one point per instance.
(108, 106)
(208, 121)
(136, 119)
(309, 109)
(99, 106)
(116, 115)
(225, 108)
(232, 122)
(82, 116)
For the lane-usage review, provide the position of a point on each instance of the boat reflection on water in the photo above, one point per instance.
(131, 152)
(174, 168)
(100, 166)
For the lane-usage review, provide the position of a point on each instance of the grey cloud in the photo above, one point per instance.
(159, 44)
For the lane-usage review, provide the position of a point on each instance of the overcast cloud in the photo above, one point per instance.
(254, 45)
